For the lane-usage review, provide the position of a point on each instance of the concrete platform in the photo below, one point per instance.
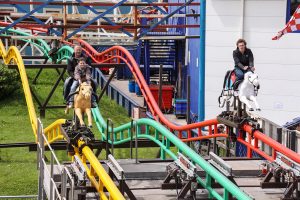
(122, 86)
(145, 180)
(150, 189)
(157, 170)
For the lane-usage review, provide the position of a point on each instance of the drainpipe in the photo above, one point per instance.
(243, 19)
(201, 97)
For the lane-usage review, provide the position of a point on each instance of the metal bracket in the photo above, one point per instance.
(286, 174)
(184, 173)
(220, 164)
(79, 169)
(117, 172)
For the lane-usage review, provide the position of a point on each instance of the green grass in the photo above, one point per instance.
(18, 173)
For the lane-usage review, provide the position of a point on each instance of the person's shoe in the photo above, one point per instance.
(94, 104)
(70, 105)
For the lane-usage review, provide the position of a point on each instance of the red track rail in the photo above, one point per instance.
(118, 54)
(254, 136)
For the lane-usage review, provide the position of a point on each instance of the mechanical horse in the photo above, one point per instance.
(246, 90)
(82, 103)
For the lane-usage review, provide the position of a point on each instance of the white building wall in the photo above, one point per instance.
(277, 62)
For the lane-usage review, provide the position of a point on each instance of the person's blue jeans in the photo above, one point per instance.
(239, 73)
(74, 86)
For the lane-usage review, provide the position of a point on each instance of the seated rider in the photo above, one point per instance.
(83, 73)
(74, 59)
(243, 61)
(72, 63)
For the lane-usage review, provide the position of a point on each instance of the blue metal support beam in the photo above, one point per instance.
(147, 61)
(165, 18)
(34, 18)
(95, 19)
(105, 18)
(138, 53)
(201, 99)
(26, 16)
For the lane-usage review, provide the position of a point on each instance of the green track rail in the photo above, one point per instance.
(62, 54)
(159, 134)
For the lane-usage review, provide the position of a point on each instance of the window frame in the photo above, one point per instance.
(8, 7)
(52, 10)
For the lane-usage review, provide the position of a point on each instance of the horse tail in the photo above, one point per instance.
(226, 80)
(221, 105)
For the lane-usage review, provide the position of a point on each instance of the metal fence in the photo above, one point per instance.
(288, 138)
(52, 174)
(114, 93)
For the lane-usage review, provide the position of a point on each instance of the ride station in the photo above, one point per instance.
(165, 63)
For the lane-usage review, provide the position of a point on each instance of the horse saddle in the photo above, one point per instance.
(230, 81)
(68, 84)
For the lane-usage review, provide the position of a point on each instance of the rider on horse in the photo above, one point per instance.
(72, 63)
(82, 74)
(243, 60)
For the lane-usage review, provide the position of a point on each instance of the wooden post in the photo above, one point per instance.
(65, 22)
(179, 95)
(188, 106)
(135, 22)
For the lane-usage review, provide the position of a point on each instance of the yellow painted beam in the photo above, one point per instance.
(96, 170)
(14, 55)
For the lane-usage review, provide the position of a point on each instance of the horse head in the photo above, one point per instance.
(85, 90)
(252, 78)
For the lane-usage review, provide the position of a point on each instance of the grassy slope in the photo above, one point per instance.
(18, 174)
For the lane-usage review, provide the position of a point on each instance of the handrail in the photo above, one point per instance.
(163, 137)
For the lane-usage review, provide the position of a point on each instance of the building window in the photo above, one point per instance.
(292, 5)
(8, 9)
(98, 10)
(52, 10)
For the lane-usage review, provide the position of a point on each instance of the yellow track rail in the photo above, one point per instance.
(96, 173)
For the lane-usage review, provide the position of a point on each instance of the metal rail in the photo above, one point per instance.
(50, 188)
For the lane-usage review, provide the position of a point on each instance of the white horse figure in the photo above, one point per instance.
(247, 89)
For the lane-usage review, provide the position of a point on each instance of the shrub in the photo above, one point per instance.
(9, 81)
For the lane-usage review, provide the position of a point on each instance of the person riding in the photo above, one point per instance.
(71, 64)
(74, 59)
(82, 73)
(243, 61)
